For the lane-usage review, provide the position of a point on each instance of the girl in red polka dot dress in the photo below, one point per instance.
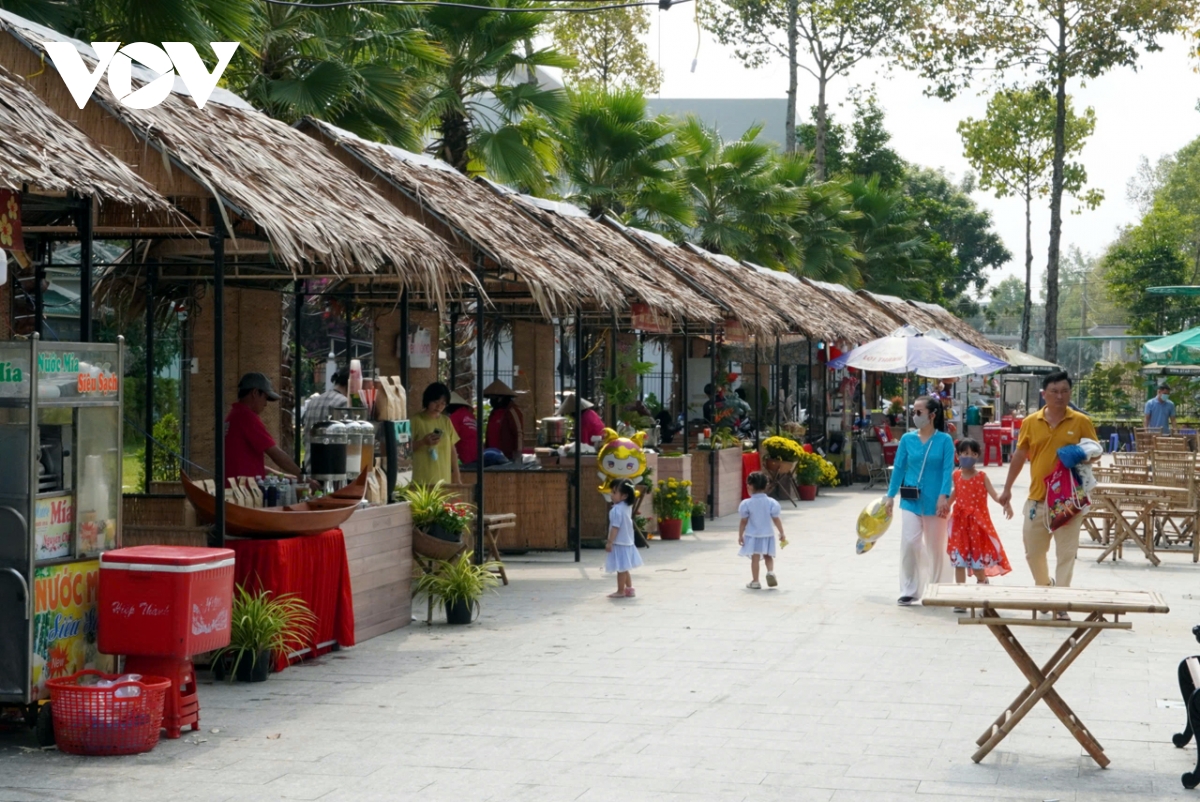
(973, 543)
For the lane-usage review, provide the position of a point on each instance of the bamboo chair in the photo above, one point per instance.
(1143, 440)
(1132, 467)
(1175, 526)
(1174, 443)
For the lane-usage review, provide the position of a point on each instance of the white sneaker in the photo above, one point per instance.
(754, 586)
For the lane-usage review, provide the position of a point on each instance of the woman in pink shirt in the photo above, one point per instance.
(462, 415)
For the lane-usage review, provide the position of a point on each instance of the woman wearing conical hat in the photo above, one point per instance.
(506, 424)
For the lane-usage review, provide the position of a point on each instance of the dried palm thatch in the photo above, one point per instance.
(821, 311)
(960, 329)
(899, 310)
(749, 310)
(873, 320)
(524, 250)
(627, 265)
(42, 150)
(312, 209)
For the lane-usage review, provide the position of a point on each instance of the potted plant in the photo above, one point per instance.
(261, 626)
(828, 476)
(808, 473)
(458, 585)
(698, 510)
(782, 454)
(439, 522)
(672, 502)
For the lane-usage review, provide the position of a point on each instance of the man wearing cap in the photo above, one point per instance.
(506, 424)
(319, 407)
(1160, 411)
(247, 440)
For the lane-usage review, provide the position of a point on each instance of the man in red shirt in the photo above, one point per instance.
(247, 440)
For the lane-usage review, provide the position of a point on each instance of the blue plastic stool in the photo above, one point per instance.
(1114, 443)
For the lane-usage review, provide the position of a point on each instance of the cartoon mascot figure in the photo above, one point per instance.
(620, 458)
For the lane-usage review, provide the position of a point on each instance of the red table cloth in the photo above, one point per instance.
(751, 462)
(315, 568)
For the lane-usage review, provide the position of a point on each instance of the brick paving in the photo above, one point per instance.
(698, 689)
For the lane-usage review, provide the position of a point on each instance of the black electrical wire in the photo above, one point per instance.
(663, 4)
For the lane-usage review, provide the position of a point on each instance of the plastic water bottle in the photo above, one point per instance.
(272, 494)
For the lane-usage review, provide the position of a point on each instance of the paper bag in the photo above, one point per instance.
(391, 400)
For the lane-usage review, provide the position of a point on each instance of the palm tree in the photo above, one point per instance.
(139, 20)
(824, 244)
(615, 160)
(893, 252)
(487, 111)
(361, 68)
(742, 209)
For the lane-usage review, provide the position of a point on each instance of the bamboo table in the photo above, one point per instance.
(1118, 500)
(1097, 605)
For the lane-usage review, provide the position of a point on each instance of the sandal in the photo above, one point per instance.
(754, 586)
(630, 592)
(617, 595)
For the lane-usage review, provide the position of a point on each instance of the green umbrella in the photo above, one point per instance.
(1180, 348)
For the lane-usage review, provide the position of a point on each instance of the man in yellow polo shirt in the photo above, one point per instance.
(1042, 434)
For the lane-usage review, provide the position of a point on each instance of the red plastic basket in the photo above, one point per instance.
(91, 720)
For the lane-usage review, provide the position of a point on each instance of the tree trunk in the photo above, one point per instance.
(456, 140)
(1056, 187)
(822, 124)
(1027, 307)
(789, 125)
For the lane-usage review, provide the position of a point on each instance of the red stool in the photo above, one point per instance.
(181, 706)
(993, 439)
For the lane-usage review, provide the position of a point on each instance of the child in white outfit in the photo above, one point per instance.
(755, 535)
(622, 550)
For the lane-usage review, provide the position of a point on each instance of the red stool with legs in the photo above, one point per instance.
(181, 706)
(993, 438)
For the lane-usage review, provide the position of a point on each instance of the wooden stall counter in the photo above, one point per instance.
(379, 550)
(727, 463)
(537, 498)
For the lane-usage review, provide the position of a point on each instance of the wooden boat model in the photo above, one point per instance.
(307, 517)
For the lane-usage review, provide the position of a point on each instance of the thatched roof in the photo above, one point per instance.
(904, 313)
(49, 155)
(751, 312)
(960, 329)
(873, 320)
(311, 208)
(818, 308)
(627, 265)
(771, 294)
(558, 279)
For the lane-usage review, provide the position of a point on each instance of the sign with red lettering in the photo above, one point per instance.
(64, 621)
(735, 332)
(105, 384)
(646, 319)
(53, 527)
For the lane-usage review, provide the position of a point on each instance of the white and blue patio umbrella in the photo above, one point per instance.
(907, 350)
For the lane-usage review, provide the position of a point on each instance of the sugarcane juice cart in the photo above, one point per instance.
(60, 507)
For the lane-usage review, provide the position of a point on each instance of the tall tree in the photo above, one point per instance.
(1004, 308)
(609, 48)
(364, 69)
(1059, 41)
(1012, 147)
(486, 112)
(894, 254)
(139, 20)
(741, 208)
(838, 34)
(617, 160)
(824, 243)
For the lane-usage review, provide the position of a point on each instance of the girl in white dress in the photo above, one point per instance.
(760, 514)
(623, 555)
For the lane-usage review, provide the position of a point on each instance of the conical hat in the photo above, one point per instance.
(499, 388)
(455, 398)
(568, 405)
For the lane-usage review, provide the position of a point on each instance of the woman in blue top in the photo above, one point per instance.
(924, 467)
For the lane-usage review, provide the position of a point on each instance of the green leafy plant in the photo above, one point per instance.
(783, 448)
(653, 404)
(673, 499)
(458, 580)
(433, 506)
(167, 435)
(698, 509)
(723, 438)
(808, 468)
(641, 522)
(262, 622)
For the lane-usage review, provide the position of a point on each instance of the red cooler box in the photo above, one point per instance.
(164, 601)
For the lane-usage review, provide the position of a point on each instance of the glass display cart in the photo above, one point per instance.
(60, 507)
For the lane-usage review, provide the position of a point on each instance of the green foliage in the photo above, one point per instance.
(433, 506)
(614, 159)
(673, 499)
(699, 508)
(458, 580)
(169, 441)
(263, 622)
(609, 49)
(1131, 267)
(809, 468)
(140, 21)
(1116, 390)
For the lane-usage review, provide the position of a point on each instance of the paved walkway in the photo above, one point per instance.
(698, 689)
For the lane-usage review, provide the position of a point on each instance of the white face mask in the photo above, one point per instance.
(920, 420)
(1164, 397)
